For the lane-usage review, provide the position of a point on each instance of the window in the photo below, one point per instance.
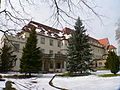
(58, 65)
(43, 50)
(98, 50)
(51, 65)
(59, 44)
(65, 43)
(51, 52)
(16, 47)
(100, 63)
(51, 42)
(58, 52)
(42, 40)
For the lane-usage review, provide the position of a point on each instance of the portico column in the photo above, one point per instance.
(65, 65)
(61, 65)
(54, 65)
(43, 65)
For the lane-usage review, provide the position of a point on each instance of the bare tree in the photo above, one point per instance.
(118, 31)
(118, 34)
(62, 10)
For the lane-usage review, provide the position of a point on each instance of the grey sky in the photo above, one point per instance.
(110, 9)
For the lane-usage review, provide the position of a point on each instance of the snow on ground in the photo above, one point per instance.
(91, 82)
(25, 84)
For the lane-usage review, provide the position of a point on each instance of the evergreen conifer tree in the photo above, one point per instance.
(7, 59)
(113, 62)
(79, 50)
(31, 57)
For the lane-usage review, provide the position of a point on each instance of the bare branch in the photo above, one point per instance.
(91, 9)
(118, 31)
(59, 13)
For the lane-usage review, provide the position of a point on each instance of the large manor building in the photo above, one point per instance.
(53, 43)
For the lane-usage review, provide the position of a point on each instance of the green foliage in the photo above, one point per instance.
(79, 50)
(108, 75)
(31, 57)
(8, 60)
(113, 62)
(65, 74)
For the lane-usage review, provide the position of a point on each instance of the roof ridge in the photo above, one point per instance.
(45, 26)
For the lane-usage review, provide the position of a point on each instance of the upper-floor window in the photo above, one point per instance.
(51, 42)
(58, 52)
(59, 43)
(98, 49)
(42, 40)
(51, 52)
(16, 47)
(43, 50)
(66, 44)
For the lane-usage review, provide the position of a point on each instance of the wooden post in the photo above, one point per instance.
(8, 86)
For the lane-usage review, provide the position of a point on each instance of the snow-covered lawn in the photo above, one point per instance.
(91, 82)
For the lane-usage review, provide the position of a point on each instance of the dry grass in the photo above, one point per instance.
(18, 76)
(108, 75)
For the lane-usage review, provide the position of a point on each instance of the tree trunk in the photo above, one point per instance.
(29, 74)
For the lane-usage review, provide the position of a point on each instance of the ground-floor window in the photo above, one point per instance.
(100, 63)
(58, 65)
(51, 65)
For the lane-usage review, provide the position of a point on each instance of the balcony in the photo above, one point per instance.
(47, 56)
(60, 56)
(55, 56)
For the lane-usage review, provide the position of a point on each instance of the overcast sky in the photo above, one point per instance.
(110, 9)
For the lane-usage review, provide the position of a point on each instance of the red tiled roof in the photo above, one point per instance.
(111, 47)
(38, 25)
(103, 41)
(67, 31)
(43, 28)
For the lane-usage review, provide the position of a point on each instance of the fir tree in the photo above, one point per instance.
(31, 57)
(79, 50)
(7, 61)
(113, 62)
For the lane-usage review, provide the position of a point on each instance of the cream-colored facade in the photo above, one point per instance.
(53, 44)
